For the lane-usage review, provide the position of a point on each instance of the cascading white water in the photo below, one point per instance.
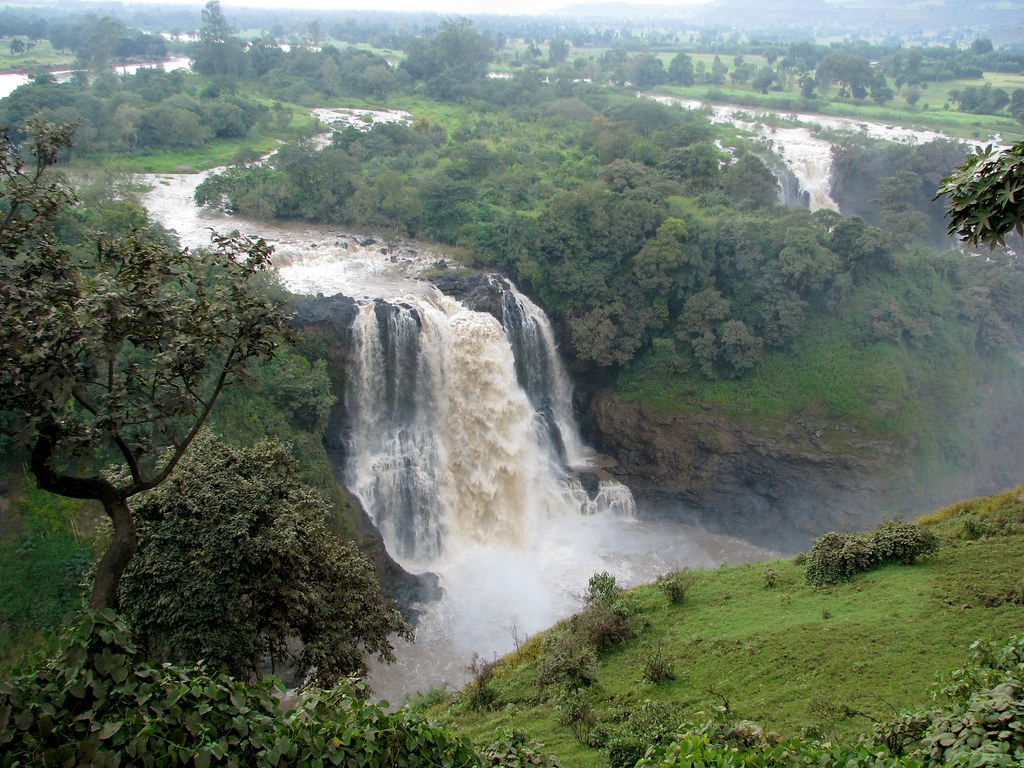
(461, 431)
(806, 155)
(462, 445)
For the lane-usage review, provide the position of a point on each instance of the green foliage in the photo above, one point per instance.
(649, 723)
(699, 750)
(990, 664)
(97, 702)
(602, 589)
(837, 557)
(235, 562)
(985, 196)
(42, 566)
(512, 750)
(988, 731)
(902, 734)
(132, 343)
(656, 665)
(902, 542)
(602, 626)
(478, 693)
(576, 711)
(567, 660)
(675, 585)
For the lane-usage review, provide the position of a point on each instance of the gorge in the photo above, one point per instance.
(458, 438)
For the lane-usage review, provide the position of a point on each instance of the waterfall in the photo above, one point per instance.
(460, 427)
(461, 445)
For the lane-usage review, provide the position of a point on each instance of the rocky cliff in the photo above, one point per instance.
(777, 489)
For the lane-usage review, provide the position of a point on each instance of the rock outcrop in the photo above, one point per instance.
(779, 490)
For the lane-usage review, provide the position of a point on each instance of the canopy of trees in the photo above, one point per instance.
(235, 563)
(113, 350)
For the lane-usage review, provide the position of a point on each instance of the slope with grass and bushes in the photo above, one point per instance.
(758, 654)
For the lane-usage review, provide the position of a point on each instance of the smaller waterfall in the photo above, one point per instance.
(809, 159)
(541, 374)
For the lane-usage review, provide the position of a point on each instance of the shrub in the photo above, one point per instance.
(647, 725)
(771, 576)
(990, 664)
(601, 627)
(656, 665)
(98, 702)
(576, 711)
(675, 585)
(991, 725)
(567, 660)
(511, 750)
(836, 557)
(902, 734)
(902, 542)
(602, 589)
(479, 693)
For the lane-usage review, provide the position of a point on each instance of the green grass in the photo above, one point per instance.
(860, 386)
(43, 554)
(42, 56)
(796, 659)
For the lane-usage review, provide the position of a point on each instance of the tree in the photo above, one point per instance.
(115, 351)
(718, 71)
(680, 71)
(235, 560)
(986, 195)
(455, 56)
(558, 51)
(851, 72)
(646, 71)
(765, 79)
(217, 52)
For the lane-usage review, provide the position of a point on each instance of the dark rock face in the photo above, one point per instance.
(777, 491)
(477, 291)
(334, 312)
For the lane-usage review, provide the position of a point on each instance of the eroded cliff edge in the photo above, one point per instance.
(778, 488)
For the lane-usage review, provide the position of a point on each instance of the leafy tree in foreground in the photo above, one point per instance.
(235, 559)
(115, 350)
(986, 196)
(98, 702)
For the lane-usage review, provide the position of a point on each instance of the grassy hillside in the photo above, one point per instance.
(755, 642)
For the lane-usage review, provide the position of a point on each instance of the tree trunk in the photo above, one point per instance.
(119, 553)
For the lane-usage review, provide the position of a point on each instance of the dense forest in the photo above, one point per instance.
(655, 239)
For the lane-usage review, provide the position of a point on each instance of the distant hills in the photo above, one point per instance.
(935, 20)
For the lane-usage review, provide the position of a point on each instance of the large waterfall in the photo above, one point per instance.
(461, 430)
(462, 446)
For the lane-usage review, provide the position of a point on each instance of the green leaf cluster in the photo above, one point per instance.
(98, 702)
(235, 564)
(985, 196)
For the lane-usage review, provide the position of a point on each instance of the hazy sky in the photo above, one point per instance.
(506, 7)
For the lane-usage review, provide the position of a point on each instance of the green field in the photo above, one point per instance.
(41, 57)
(798, 660)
